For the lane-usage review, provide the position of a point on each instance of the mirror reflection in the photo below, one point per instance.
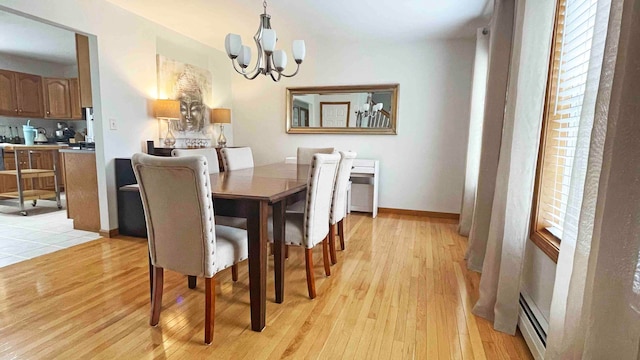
(362, 109)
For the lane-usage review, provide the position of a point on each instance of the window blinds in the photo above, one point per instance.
(564, 117)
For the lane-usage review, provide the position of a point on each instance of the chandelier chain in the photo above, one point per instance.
(264, 5)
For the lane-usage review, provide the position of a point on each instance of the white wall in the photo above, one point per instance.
(421, 168)
(36, 67)
(538, 278)
(125, 81)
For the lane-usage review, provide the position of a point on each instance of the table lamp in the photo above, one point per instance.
(221, 116)
(167, 109)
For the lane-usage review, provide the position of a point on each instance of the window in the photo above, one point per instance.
(569, 65)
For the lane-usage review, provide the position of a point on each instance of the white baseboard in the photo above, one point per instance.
(531, 337)
(528, 329)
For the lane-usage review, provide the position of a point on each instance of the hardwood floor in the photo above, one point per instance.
(400, 290)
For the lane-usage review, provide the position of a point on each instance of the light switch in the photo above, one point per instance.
(113, 124)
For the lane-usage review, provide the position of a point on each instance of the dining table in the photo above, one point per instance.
(249, 193)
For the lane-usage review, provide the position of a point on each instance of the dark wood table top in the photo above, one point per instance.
(269, 182)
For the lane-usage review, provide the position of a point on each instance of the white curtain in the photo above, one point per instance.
(512, 201)
(595, 306)
(500, 38)
(474, 144)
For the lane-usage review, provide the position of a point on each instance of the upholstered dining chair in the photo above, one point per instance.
(305, 155)
(182, 234)
(214, 167)
(311, 228)
(339, 202)
(237, 158)
(209, 153)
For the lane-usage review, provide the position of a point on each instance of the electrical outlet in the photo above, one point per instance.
(113, 124)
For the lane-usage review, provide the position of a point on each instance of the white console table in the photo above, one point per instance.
(364, 186)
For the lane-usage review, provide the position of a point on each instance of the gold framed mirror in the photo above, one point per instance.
(351, 109)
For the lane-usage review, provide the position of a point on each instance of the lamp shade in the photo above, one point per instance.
(299, 50)
(269, 39)
(221, 116)
(245, 56)
(168, 109)
(280, 59)
(233, 45)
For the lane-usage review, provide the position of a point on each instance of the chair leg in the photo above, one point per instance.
(209, 309)
(156, 298)
(341, 233)
(311, 281)
(325, 256)
(286, 251)
(234, 272)
(332, 243)
(193, 281)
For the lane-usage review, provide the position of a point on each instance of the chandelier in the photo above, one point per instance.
(370, 114)
(270, 62)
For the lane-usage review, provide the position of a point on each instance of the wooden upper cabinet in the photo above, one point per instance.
(29, 95)
(74, 97)
(84, 70)
(57, 101)
(8, 100)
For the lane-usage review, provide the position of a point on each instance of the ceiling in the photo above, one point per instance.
(348, 20)
(37, 40)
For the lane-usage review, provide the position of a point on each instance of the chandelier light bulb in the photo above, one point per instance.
(280, 59)
(299, 51)
(269, 39)
(233, 44)
(245, 56)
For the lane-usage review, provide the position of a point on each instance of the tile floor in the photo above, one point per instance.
(45, 230)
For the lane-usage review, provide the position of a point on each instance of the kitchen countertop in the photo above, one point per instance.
(11, 147)
(78, 151)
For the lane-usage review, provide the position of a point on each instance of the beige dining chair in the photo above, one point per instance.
(312, 227)
(339, 202)
(209, 153)
(305, 155)
(214, 167)
(237, 158)
(182, 234)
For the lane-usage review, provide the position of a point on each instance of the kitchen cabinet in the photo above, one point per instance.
(8, 183)
(20, 94)
(8, 99)
(74, 97)
(57, 98)
(29, 95)
(83, 205)
(38, 161)
(84, 71)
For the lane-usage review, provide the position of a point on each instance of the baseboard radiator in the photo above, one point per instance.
(532, 326)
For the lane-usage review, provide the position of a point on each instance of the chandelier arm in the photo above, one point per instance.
(248, 75)
(251, 77)
(272, 77)
(291, 75)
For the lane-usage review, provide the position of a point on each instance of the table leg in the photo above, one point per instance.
(278, 248)
(19, 182)
(193, 281)
(257, 233)
(150, 278)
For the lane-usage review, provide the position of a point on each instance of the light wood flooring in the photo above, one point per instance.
(399, 291)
